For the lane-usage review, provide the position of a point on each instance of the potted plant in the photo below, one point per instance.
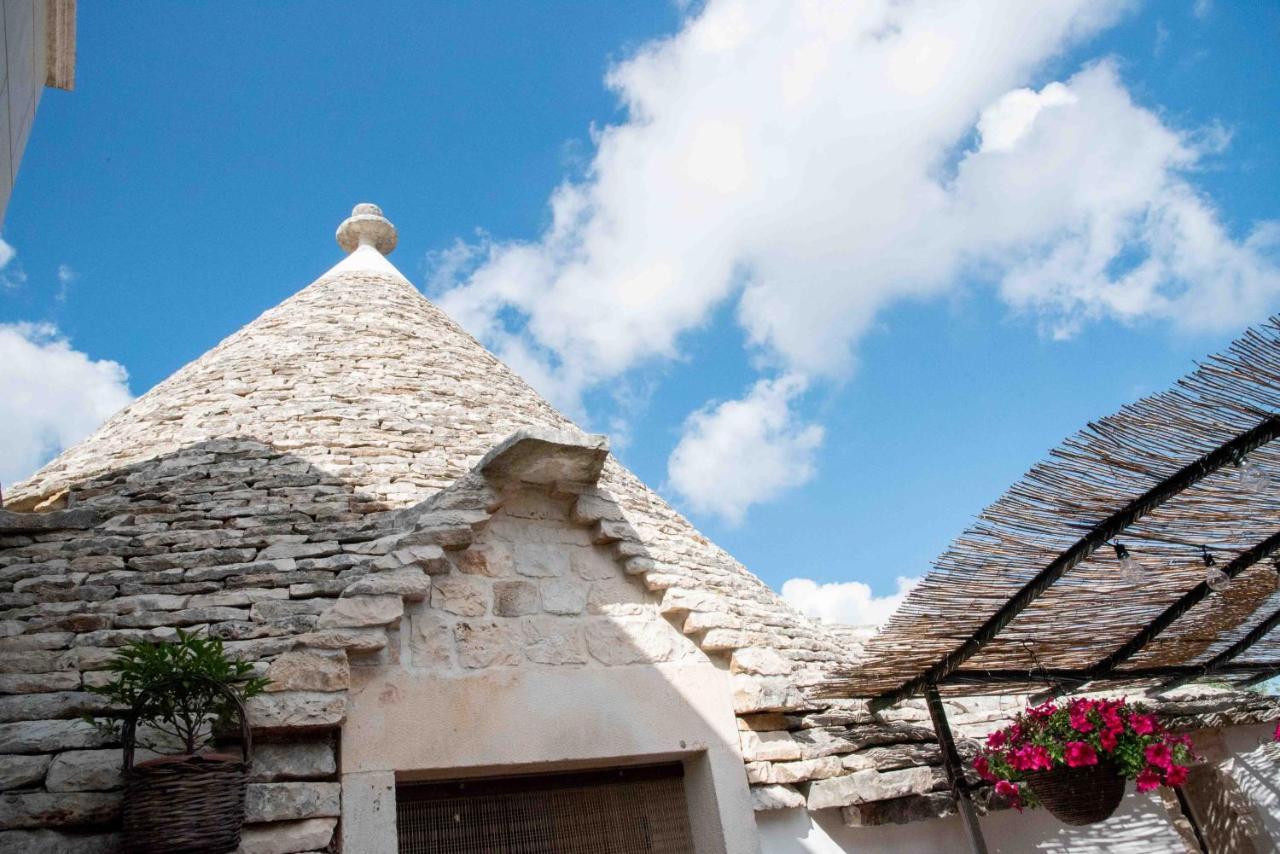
(1074, 759)
(182, 693)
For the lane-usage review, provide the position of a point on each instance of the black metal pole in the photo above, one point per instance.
(954, 768)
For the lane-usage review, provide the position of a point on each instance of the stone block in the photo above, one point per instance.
(488, 644)
(762, 661)
(629, 640)
(291, 837)
(301, 710)
(484, 560)
(265, 610)
(564, 596)
(20, 810)
(62, 704)
(358, 611)
(38, 683)
(90, 770)
(56, 842)
(541, 561)
(430, 639)
(461, 595)
(309, 670)
(427, 557)
(515, 598)
(352, 640)
(291, 801)
(410, 583)
(299, 550)
(17, 772)
(863, 786)
(50, 736)
(794, 772)
(775, 798)
(295, 760)
(552, 641)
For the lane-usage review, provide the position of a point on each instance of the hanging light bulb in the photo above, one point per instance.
(1130, 570)
(1216, 579)
(1251, 476)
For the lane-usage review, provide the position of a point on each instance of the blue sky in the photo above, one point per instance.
(853, 286)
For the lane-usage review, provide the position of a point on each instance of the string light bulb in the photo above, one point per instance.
(1130, 570)
(1251, 476)
(1216, 579)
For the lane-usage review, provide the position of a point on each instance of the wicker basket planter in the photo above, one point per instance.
(189, 803)
(1079, 796)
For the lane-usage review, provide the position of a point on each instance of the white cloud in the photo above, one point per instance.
(11, 277)
(66, 276)
(809, 163)
(741, 452)
(849, 603)
(51, 396)
(1202, 8)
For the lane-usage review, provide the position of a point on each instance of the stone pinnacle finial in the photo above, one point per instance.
(367, 227)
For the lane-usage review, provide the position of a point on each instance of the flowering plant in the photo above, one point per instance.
(1083, 732)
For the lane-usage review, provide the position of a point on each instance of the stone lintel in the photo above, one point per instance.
(546, 458)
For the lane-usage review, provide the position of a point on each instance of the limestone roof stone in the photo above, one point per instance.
(362, 377)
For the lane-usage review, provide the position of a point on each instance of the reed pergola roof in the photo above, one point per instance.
(1032, 593)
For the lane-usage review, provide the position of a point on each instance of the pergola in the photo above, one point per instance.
(1095, 568)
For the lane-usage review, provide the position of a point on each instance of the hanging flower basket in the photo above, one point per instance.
(184, 692)
(188, 803)
(1074, 759)
(1079, 796)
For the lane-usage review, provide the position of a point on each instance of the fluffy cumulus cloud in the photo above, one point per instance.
(707, 466)
(848, 603)
(50, 396)
(808, 163)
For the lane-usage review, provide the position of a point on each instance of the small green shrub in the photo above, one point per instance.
(176, 687)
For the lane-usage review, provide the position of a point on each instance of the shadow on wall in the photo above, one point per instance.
(1140, 826)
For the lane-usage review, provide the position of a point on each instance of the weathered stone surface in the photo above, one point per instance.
(297, 710)
(39, 640)
(486, 644)
(41, 809)
(57, 842)
(775, 798)
(292, 761)
(291, 801)
(765, 694)
(19, 771)
(760, 660)
(352, 640)
(90, 770)
(429, 558)
(460, 595)
(430, 640)
(80, 518)
(410, 583)
(62, 704)
(266, 610)
(863, 786)
(291, 837)
(50, 736)
(629, 640)
(307, 670)
(565, 596)
(482, 560)
(358, 611)
(794, 772)
(899, 810)
(553, 641)
(299, 550)
(541, 561)
(185, 617)
(515, 598)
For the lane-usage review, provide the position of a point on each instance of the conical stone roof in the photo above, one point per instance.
(363, 378)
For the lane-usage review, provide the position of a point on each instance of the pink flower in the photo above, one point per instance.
(1276, 734)
(1079, 753)
(1043, 710)
(1080, 719)
(998, 738)
(1143, 724)
(983, 767)
(1009, 791)
(1159, 755)
(1148, 779)
(1108, 739)
(1175, 775)
(1031, 757)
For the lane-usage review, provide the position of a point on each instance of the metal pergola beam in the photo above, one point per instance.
(1222, 659)
(1185, 603)
(1107, 529)
(953, 766)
